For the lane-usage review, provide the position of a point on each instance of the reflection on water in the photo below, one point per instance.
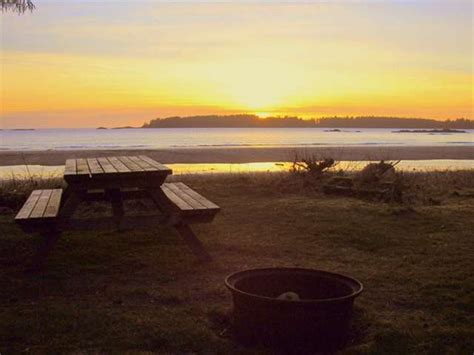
(27, 171)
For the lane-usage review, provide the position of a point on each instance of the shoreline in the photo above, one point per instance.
(244, 154)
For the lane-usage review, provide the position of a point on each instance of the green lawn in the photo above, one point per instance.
(144, 291)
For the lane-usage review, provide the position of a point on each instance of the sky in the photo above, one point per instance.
(115, 63)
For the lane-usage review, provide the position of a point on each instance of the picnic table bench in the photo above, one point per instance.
(115, 179)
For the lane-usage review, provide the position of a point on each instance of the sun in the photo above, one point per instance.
(263, 114)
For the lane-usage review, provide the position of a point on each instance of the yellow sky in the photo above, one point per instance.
(114, 64)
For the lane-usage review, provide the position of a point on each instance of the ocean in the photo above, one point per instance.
(153, 138)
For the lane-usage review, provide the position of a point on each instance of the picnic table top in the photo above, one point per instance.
(115, 166)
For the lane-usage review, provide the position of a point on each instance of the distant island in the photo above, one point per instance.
(338, 130)
(125, 127)
(253, 121)
(444, 130)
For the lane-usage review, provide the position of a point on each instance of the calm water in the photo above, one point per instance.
(62, 139)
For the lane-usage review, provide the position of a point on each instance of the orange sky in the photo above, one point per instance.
(85, 64)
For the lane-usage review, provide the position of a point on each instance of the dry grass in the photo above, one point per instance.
(143, 291)
(14, 191)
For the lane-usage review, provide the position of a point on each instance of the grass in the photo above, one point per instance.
(143, 291)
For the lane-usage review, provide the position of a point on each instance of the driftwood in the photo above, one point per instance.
(312, 165)
(376, 180)
(375, 172)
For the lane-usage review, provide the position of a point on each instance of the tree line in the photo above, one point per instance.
(253, 121)
(19, 6)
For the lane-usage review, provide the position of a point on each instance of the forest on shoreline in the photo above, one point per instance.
(254, 121)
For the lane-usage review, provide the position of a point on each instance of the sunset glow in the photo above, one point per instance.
(85, 64)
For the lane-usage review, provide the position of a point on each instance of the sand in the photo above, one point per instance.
(242, 155)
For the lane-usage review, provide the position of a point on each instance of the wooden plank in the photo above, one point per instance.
(82, 167)
(107, 165)
(130, 164)
(154, 163)
(54, 203)
(204, 201)
(185, 197)
(41, 205)
(119, 181)
(30, 203)
(94, 166)
(118, 165)
(180, 203)
(127, 194)
(70, 168)
(143, 164)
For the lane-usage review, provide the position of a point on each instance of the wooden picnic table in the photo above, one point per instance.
(115, 179)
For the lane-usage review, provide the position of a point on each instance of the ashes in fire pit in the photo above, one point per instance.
(292, 307)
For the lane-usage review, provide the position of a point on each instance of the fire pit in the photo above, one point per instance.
(291, 306)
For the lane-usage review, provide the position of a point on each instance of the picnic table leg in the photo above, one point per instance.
(50, 237)
(192, 241)
(159, 199)
(115, 196)
(183, 229)
(71, 202)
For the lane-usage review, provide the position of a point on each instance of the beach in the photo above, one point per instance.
(244, 154)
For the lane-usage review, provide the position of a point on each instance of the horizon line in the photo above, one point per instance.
(26, 128)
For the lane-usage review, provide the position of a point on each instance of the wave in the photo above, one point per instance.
(251, 145)
(231, 145)
(463, 143)
(102, 146)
